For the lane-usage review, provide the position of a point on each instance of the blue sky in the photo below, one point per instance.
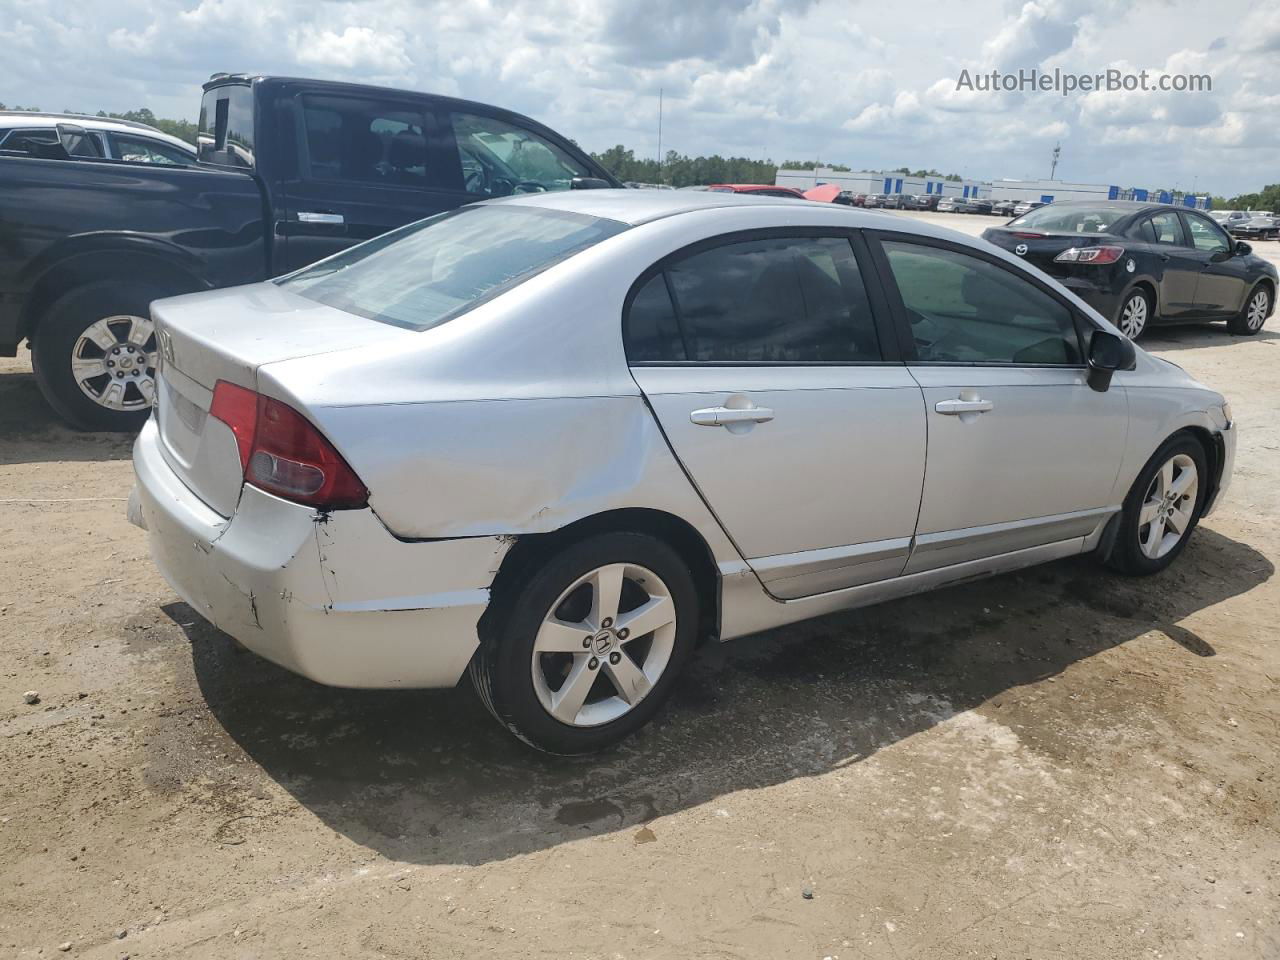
(866, 84)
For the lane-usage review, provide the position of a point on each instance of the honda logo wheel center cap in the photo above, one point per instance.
(603, 642)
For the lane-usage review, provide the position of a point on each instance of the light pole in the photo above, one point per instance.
(1057, 151)
(660, 134)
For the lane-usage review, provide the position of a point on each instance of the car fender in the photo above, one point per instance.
(1157, 412)
(1150, 280)
(110, 243)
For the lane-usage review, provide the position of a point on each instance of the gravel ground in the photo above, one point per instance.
(1055, 764)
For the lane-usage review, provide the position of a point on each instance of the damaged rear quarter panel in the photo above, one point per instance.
(514, 466)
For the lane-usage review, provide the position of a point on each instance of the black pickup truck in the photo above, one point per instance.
(289, 171)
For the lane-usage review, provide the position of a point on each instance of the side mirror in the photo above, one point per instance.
(76, 141)
(1243, 249)
(1109, 352)
(589, 183)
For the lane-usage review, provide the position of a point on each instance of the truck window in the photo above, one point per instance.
(366, 142)
(225, 132)
(499, 158)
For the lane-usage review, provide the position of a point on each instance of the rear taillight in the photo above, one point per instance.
(283, 453)
(1028, 236)
(1094, 255)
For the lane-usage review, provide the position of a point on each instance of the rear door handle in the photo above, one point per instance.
(953, 408)
(722, 416)
(316, 216)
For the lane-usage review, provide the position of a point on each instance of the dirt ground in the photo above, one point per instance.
(1056, 764)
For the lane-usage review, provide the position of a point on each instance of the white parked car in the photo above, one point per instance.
(561, 439)
(106, 137)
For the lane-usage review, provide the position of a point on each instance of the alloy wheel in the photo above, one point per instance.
(114, 362)
(1257, 311)
(1169, 506)
(603, 645)
(1133, 318)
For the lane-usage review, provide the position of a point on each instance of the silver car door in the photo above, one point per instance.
(1022, 452)
(762, 361)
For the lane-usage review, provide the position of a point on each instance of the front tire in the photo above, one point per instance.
(1162, 508)
(1135, 313)
(94, 355)
(1254, 314)
(585, 650)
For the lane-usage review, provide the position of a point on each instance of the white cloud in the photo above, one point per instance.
(847, 80)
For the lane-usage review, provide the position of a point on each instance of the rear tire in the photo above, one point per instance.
(1135, 313)
(1162, 508)
(561, 671)
(102, 326)
(1254, 315)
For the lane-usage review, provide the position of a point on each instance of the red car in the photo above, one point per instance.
(758, 189)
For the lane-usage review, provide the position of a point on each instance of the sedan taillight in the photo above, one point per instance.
(283, 453)
(1094, 255)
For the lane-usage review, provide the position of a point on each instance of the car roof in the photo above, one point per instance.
(11, 119)
(636, 207)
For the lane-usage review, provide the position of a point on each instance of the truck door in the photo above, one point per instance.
(364, 166)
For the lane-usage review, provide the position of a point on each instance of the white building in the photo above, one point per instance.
(883, 181)
(1045, 191)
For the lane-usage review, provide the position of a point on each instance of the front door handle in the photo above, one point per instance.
(953, 408)
(316, 216)
(723, 416)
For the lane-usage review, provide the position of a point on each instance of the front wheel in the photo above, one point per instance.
(1162, 508)
(1254, 314)
(585, 650)
(1134, 314)
(94, 354)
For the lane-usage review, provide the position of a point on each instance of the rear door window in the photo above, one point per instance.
(500, 158)
(11, 139)
(776, 300)
(1163, 228)
(364, 141)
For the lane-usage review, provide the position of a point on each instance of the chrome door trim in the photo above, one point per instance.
(934, 550)
(791, 575)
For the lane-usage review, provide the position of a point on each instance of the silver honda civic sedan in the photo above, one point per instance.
(559, 440)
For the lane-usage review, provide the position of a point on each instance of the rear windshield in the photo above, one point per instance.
(1056, 219)
(428, 272)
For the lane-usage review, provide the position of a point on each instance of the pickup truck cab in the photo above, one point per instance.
(288, 171)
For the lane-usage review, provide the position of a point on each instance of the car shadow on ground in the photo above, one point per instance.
(1188, 336)
(30, 432)
(429, 777)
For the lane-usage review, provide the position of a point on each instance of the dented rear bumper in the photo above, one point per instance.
(334, 597)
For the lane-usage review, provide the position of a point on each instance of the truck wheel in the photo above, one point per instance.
(94, 354)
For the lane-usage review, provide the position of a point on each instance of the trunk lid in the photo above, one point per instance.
(228, 335)
(1039, 248)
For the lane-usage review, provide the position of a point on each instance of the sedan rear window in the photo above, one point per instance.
(429, 272)
(1055, 219)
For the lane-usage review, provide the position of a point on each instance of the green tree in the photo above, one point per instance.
(814, 165)
(679, 170)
